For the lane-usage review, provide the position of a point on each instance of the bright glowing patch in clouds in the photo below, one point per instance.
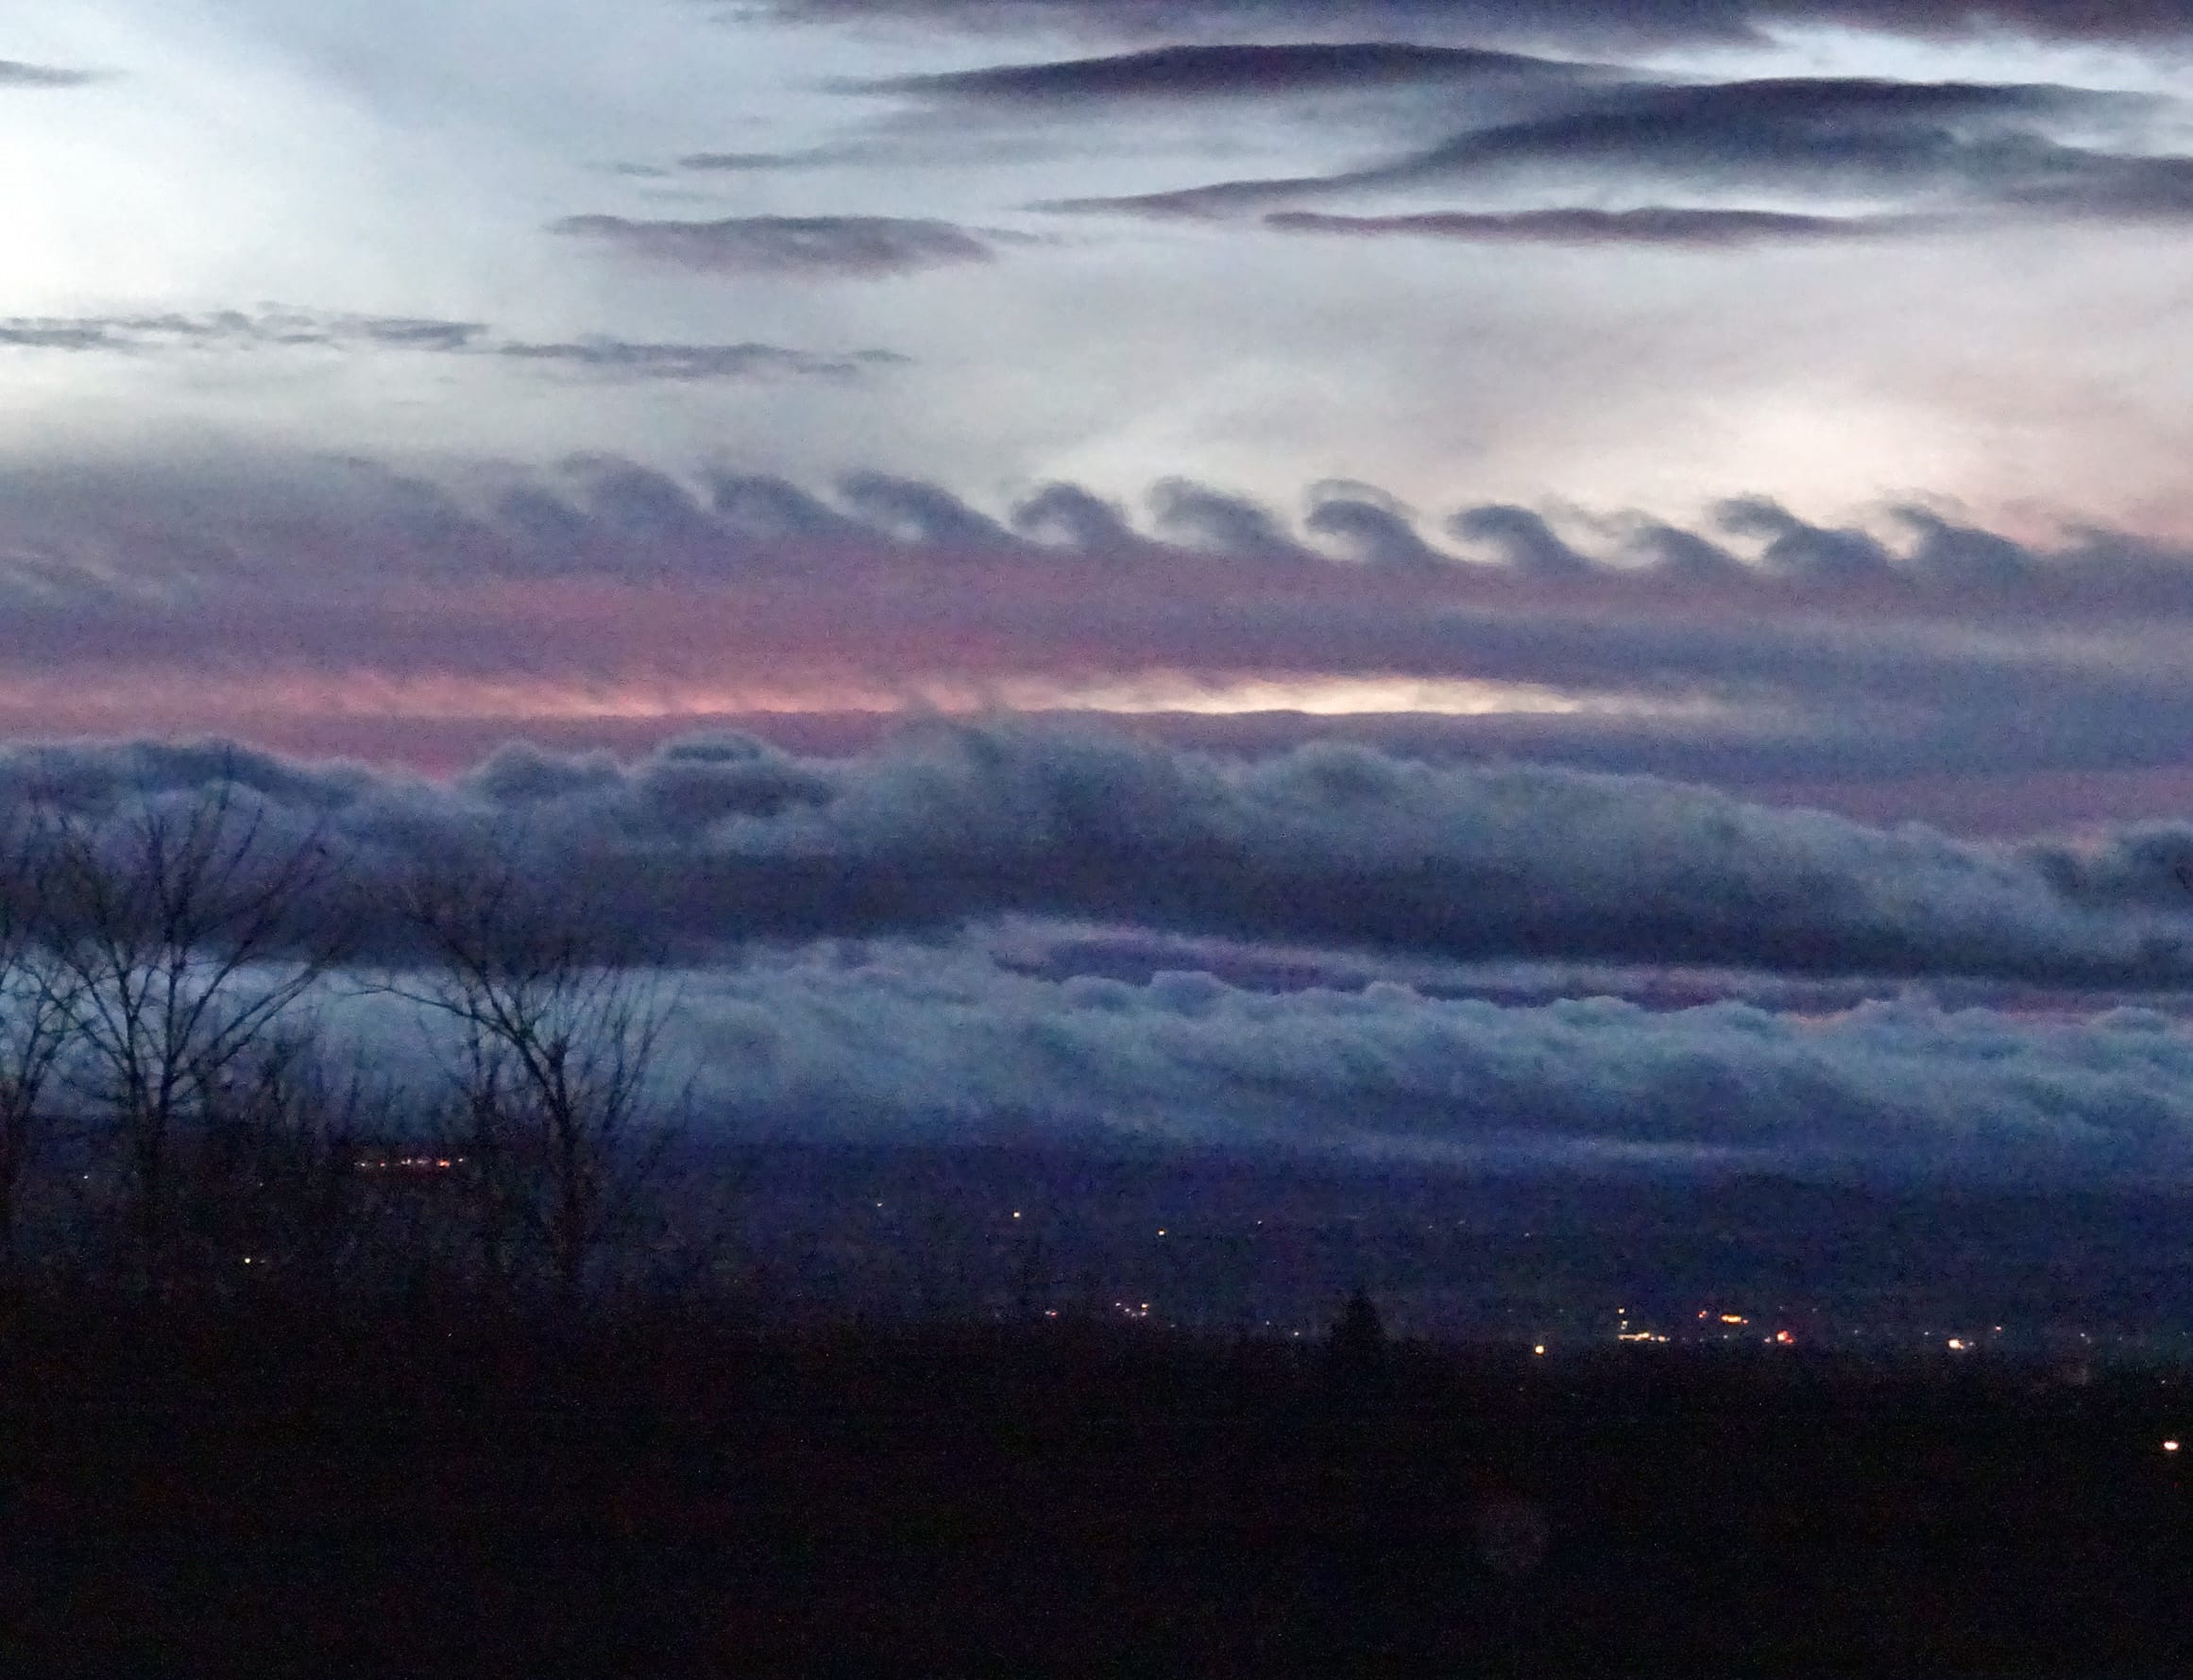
(1326, 697)
(218, 701)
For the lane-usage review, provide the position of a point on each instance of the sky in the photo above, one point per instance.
(1609, 581)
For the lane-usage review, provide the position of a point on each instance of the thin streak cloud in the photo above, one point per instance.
(854, 247)
(274, 329)
(15, 74)
(1207, 72)
(1652, 226)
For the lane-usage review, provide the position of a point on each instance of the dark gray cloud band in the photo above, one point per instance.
(1710, 228)
(1585, 22)
(1932, 147)
(1198, 72)
(726, 839)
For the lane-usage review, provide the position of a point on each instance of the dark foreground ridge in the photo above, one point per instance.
(256, 1487)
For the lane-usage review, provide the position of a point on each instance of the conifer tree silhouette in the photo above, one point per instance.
(1358, 1342)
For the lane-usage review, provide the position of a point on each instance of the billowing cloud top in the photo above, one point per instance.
(892, 1041)
(725, 837)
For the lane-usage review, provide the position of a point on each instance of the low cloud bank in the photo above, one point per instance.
(717, 839)
(945, 1047)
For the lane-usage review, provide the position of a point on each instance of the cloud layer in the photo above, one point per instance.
(719, 839)
(895, 1042)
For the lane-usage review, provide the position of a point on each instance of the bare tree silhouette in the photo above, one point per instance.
(178, 933)
(37, 1006)
(555, 1099)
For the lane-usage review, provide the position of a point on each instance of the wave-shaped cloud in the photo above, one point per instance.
(1760, 646)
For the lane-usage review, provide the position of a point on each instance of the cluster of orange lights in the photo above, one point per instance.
(1781, 1338)
(411, 1163)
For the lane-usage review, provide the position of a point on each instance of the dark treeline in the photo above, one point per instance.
(672, 1489)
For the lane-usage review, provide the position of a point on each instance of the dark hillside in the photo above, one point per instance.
(668, 1494)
